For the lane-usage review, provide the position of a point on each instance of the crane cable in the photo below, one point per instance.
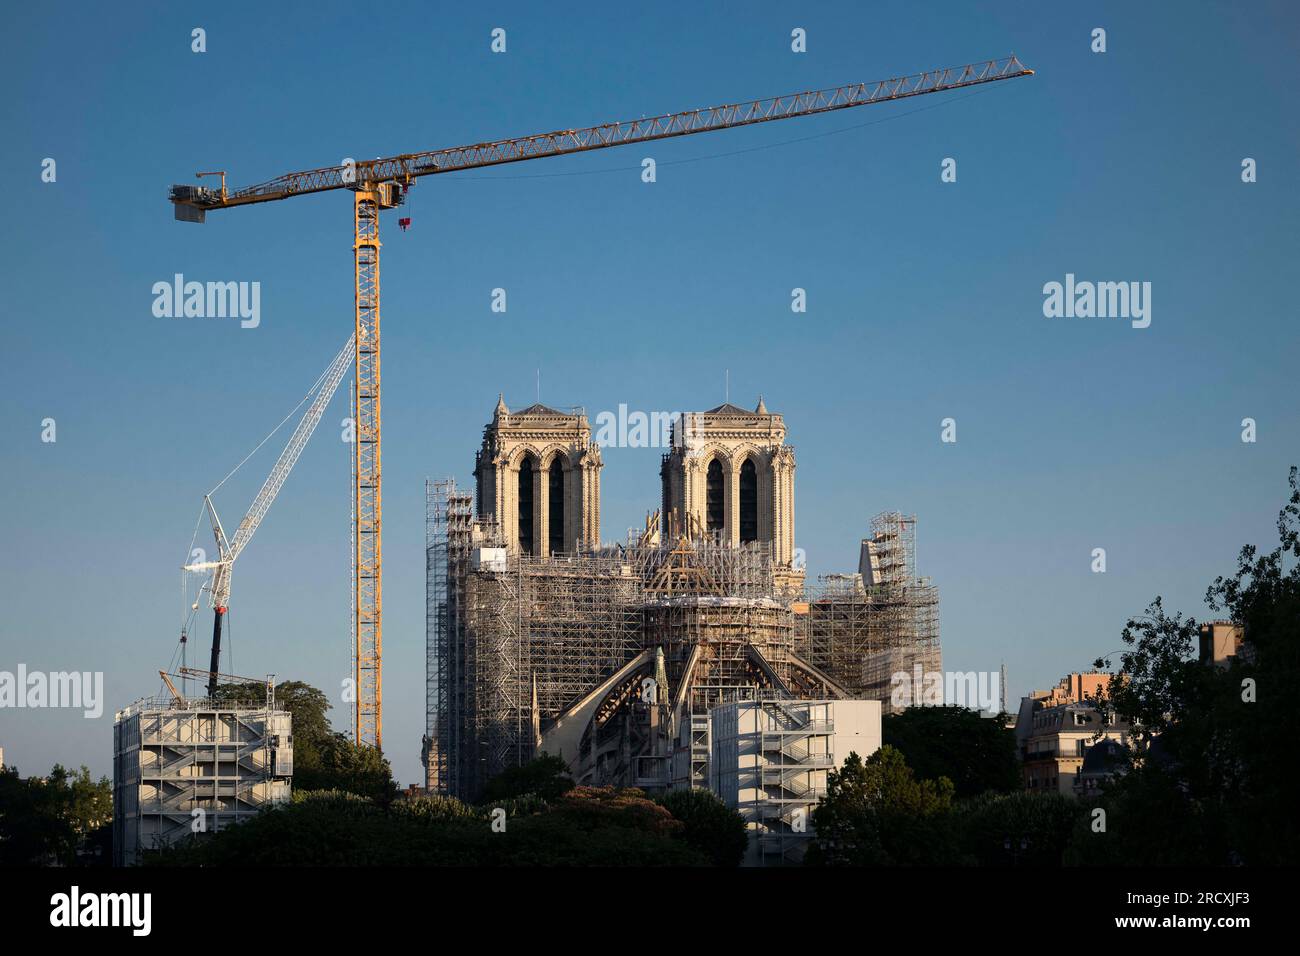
(189, 612)
(310, 392)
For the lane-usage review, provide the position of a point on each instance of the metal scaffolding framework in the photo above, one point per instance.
(865, 628)
(176, 761)
(432, 756)
(516, 641)
(448, 515)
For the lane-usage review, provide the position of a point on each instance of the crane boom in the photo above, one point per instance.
(329, 382)
(228, 550)
(381, 183)
(408, 166)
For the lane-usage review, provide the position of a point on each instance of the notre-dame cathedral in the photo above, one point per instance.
(730, 476)
(544, 638)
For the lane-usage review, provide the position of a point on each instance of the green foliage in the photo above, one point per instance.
(344, 765)
(322, 759)
(322, 829)
(1149, 821)
(433, 809)
(52, 821)
(876, 812)
(546, 776)
(308, 706)
(711, 827)
(1215, 788)
(1016, 829)
(524, 806)
(976, 753)
(594, 826)
(585, 827)
(343, 801)
(1159, 677)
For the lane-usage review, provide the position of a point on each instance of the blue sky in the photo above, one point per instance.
(924, 302)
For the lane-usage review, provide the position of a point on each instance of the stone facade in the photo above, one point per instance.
(731, 474)
(537, 655)
(538, 476)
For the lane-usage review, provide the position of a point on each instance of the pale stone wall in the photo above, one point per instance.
(727, 434)
(731, 435)
(542, 436)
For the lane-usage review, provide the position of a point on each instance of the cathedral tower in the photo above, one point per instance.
(730, 474)
(538, 475)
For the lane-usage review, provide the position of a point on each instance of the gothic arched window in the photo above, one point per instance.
(748, 501)
(526, 470)
(555, 510)
(714, 508)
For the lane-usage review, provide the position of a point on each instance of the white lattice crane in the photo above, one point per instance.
(229, 549)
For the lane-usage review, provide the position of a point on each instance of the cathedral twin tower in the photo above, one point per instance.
(728, 476)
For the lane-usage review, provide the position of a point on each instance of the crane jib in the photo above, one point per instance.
(193, 201)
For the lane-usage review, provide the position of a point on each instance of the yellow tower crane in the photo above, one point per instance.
(382, 183)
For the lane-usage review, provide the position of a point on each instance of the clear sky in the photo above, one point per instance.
(925, 301)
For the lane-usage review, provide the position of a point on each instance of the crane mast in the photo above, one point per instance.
(367, 565)
(381, 184)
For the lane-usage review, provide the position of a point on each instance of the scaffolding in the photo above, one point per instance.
(516, 640)
(864, 629)
(448, 515)
(721, 648)
(436, 685)
(539, 633)
(182, 767)
(772, 761)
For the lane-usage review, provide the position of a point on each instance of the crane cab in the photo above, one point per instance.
(391, 195)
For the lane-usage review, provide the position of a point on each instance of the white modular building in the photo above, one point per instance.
(191, 767)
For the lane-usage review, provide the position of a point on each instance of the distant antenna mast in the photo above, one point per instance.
(1004, 686)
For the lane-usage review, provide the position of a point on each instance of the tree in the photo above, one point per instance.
(1158, 679)
(341, 764)
(84, 805)
(596, 826)
(976, 753)
(1016, 829)
(29, 835)
(1249, 748)
(1149, 820)
(876, 812)
(545, 776)
(711, 826)
(588, 826)
(307, 705)
(1208, 780)
(322, 759)
(50, 820)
